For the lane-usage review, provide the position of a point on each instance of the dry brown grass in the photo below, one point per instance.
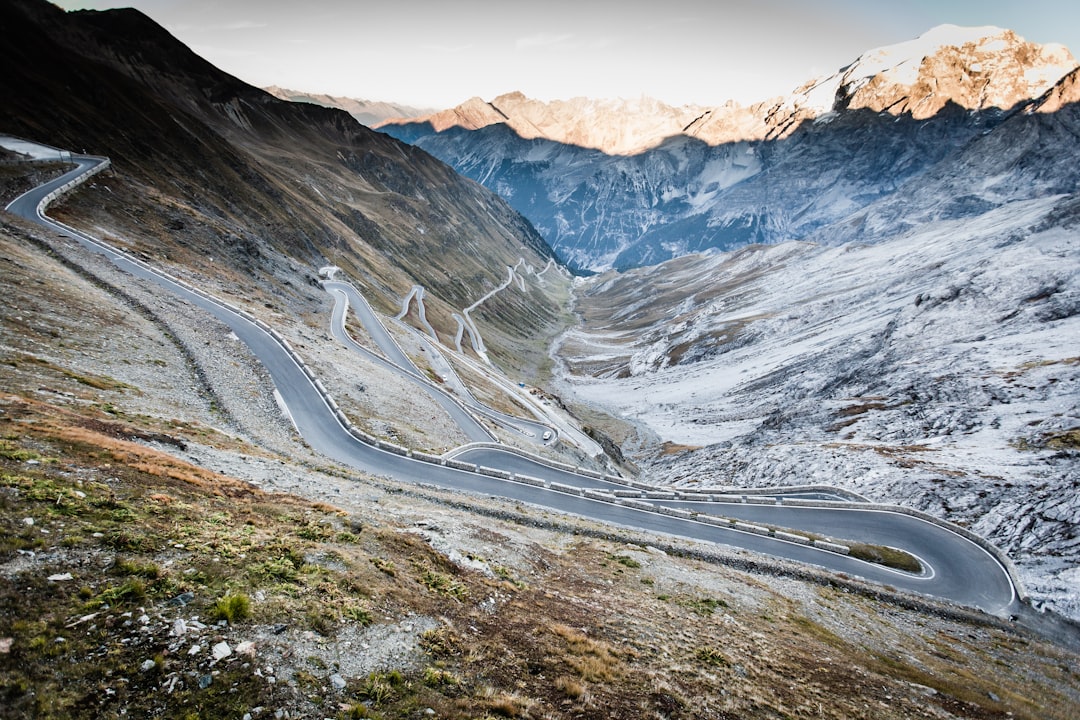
(591, 660)
(671, 448)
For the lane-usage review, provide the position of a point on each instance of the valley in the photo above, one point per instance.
(980, 579)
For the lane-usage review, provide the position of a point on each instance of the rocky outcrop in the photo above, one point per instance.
(1065, 92)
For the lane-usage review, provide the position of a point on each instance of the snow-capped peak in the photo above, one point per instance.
(974, 67)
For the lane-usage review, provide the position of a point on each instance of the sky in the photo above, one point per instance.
(439, 53)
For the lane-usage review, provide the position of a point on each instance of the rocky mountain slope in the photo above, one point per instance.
(225, 180)
(641, 189)
(937, 368)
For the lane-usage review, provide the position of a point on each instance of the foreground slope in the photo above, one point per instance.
(156, 561)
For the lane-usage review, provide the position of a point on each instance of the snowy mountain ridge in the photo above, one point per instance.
(721, 178)
(976, 68)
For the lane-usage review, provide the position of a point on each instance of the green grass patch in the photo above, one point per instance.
(887, 556)
(232, 608)
(625, 561)
(703, 606)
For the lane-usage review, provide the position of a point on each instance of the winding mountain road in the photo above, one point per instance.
(462, 411)
(956, 568)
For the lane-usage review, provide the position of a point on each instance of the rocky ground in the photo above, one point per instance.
(171, 549)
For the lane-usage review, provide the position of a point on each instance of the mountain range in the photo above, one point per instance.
(921, 349)
(895, 313)
(618, 185)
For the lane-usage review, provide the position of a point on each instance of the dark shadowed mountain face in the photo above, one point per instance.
(207, 166)
(683, 196)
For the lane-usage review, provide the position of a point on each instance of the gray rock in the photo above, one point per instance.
(181, 600)
(221, 651)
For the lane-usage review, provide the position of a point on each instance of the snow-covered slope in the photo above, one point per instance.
(938, 369)
(728, 176)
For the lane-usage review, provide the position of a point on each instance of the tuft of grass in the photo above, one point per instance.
(626, 561)
(232, 608)
(441, 642)
(704, 606)
(443, 584)
(437, 677)
(11, 451)
(131, 592)
(149, 570)
(381, 688)
(357, 614)
(385, 566)
(591, 659)
(569, 687)
(711, 656)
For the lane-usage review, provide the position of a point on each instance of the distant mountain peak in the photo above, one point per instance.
(368, 112)
(976, 68)
(614, 126)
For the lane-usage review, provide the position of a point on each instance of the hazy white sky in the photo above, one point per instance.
(438, 53)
